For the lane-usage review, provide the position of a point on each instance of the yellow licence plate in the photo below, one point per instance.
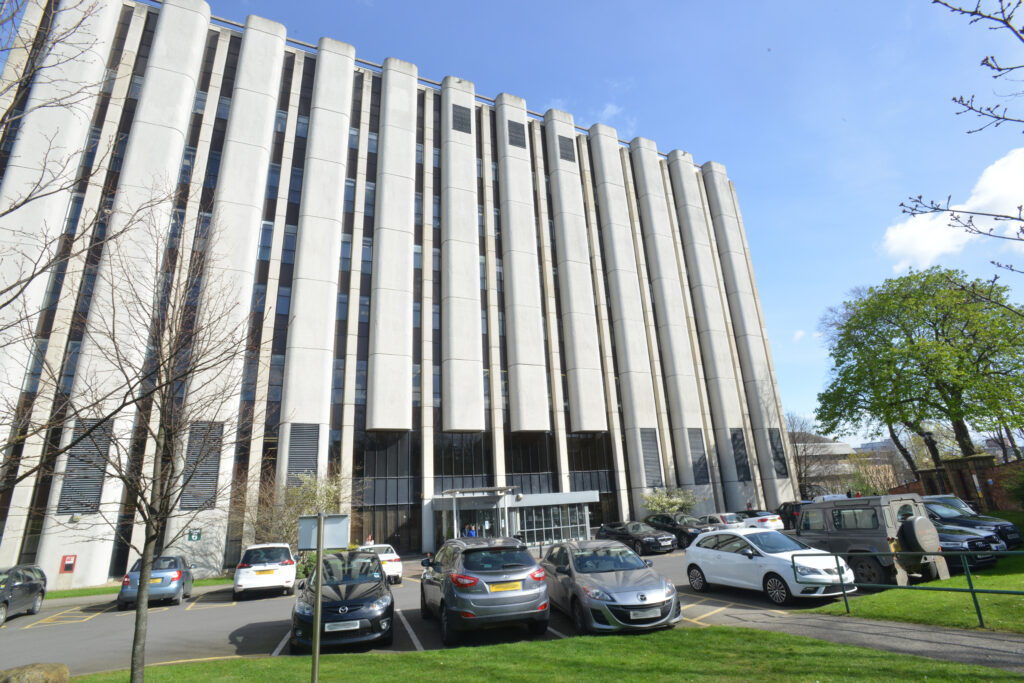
(264, 571)
(508, 586)
(155, 580)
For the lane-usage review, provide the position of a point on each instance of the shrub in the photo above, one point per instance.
(670, 500)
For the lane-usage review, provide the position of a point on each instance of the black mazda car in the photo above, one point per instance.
(950, 516)
(639, 536)
(355, 606)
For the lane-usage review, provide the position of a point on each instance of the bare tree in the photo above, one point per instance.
(1001, 17)
(273, 515)
(815, 463)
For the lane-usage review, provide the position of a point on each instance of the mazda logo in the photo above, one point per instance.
(642, 597)
(342, 610)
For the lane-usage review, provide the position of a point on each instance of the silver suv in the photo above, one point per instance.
(875, 524)
(475, 582)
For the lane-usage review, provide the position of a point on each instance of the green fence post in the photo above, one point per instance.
(970, 584)
(842, 584)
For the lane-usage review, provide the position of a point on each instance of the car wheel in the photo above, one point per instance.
(3, 613)
(176, 600)
(930, 571)
(37, 604)
(579, 618)
(869, 570)
(776, 589)
(236, 596)
(398, 580)
(449, 636)
(121, 606)
(638, 547)
(290, 590)
(697, 580)
(425, 612)
(538, 628)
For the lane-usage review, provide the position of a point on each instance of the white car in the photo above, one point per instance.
(723, 520)
(759, 519)
(267, 566)
(389, 559)
(765, 560)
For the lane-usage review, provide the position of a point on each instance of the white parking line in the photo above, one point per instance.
(557, 633)
(412, 635)
(280, 646)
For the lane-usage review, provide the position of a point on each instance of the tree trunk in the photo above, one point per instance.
(963, 437)
(929, 441)
(904, 452)
(1013, 443)
(138, 669)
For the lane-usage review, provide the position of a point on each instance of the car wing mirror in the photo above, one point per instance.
(649, 563)
(425, 562)
(301, 584)
(748, 553)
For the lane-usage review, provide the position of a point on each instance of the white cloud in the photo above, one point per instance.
(818, 335)
(920, 241)
(798, 335)
(608, 112)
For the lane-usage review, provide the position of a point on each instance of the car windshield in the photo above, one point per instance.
(775, 542)
(379, 549)
(349, 568)
(596, 560)
(945, 511)
(730, 518)
(272, 555)
(686, 519)
(494, 559)
(159, 564)
(956, 504)
(640, 528)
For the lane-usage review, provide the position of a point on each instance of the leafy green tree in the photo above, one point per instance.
(1014, 485)
(669, 500)
(922, 347)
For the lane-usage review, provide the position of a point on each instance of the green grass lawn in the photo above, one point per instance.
(1000, 612)
(715, 653)
(113, 590)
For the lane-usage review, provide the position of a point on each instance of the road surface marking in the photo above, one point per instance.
(696, 622)
(201, 659)
(411, 578)
(280, 646)
(194, 602)
(66, 617)
(415, 641)
(557, 633)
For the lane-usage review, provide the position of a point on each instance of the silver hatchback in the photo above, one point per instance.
(604, 586)
(476, 582)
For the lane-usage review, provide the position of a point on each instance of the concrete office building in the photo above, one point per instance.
(481, 314)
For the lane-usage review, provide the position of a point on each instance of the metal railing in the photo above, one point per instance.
(963, 555)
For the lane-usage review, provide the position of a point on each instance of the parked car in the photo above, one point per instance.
(22, 589)
(790, 512)
(723, 520)
(169, 579)
(604, 586)
(638, 536)
(761, 519)
(961, 540)
(945, 514)
(268, 566)
(765, 560)
(480, 582)
(953, 502)
(685, 527)
(356, 605)
(389, 559)
(875, 524)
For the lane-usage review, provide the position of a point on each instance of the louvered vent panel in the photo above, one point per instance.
(516, 134)
(652, 460)
(566, 150)
(778, 452)
(739, 453)
(462, 119)
(83, 475)
(699, 456)
(302, 448)
(202, 466)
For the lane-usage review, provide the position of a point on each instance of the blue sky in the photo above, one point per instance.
(826, 115)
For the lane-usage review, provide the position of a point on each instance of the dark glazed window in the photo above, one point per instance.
(462, 119)
(739, 453)
(778, 452)
(699, 456)
(566, 151)
(516, 134)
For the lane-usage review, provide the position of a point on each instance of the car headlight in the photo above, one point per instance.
(648, 539)
(381, 602)
(304, 608)
(597, 594)
(670, 590)
(804, 570)
(986, 528)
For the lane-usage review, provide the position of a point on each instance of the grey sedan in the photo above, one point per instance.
(170, 579)
(604, 586)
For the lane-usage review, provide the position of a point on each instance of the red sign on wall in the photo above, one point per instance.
(67, 564)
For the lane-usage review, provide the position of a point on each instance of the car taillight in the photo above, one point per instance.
(176, 576)
(464, 581)
(537, 575)
(243, 565)
(764, 519)
(287, 561)
(543, 606)
(127, 580)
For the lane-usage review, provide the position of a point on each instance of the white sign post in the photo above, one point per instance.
(314, 531)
